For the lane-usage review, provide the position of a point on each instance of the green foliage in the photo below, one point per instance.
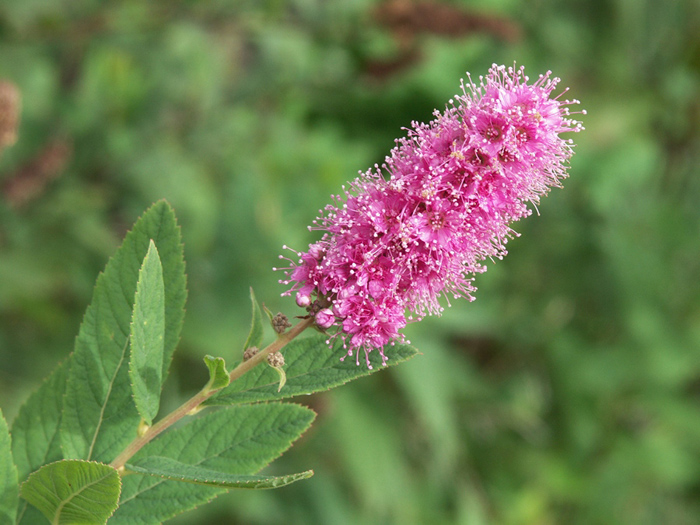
(566, 393)
(147, 336)
(100, 417)
(233, 441)
(282, 377)
(9, 495)
(218, 375)
(74, 492)
(310, 366)
(255, 336)
(35, 430)
(172, 469)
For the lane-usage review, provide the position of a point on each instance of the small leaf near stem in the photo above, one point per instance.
(283, 377)
(218, 376)
(276, 361)
(255, 335)
(269, 313)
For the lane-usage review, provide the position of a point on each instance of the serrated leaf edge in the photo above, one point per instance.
(246, 481)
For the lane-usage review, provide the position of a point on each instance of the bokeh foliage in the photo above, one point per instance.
(568, 392)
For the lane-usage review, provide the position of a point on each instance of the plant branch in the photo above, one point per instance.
(273, 347)
(194, 402)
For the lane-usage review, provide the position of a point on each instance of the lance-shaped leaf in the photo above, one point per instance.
(100, 417)
(74, 491)
(9, 494)
(310, 366)
(255, 335)
(147, 333)
(239, 440)
(176, 470)
(218, 375)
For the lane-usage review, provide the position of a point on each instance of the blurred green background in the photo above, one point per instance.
(568, 392)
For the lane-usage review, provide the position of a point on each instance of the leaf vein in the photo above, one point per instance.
(76, 493)
(106, 400)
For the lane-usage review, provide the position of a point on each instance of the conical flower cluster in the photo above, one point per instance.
(395, 244)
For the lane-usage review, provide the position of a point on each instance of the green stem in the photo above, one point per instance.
(194, 402)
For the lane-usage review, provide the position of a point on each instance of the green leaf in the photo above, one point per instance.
(9, 494)
(282, 376)
(238, 440)
(100, 417)
(310, 367)
(218, 375)
(35, 433)
(74, 491)
(147, 332)
(255, 335)
(269, 313)
(29, 514)
(172, 469)
(35, 430)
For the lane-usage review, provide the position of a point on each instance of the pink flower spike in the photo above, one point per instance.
(408, 233)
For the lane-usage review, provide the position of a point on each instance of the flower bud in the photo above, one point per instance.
(303, 299)
(325, 318)
(280, 323)
(250, 352)
(275, 359)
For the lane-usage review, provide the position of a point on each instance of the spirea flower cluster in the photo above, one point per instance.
(395, 244)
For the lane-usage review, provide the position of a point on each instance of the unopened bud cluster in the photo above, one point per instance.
(275, 359)
(280, 323)
(250, 352)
